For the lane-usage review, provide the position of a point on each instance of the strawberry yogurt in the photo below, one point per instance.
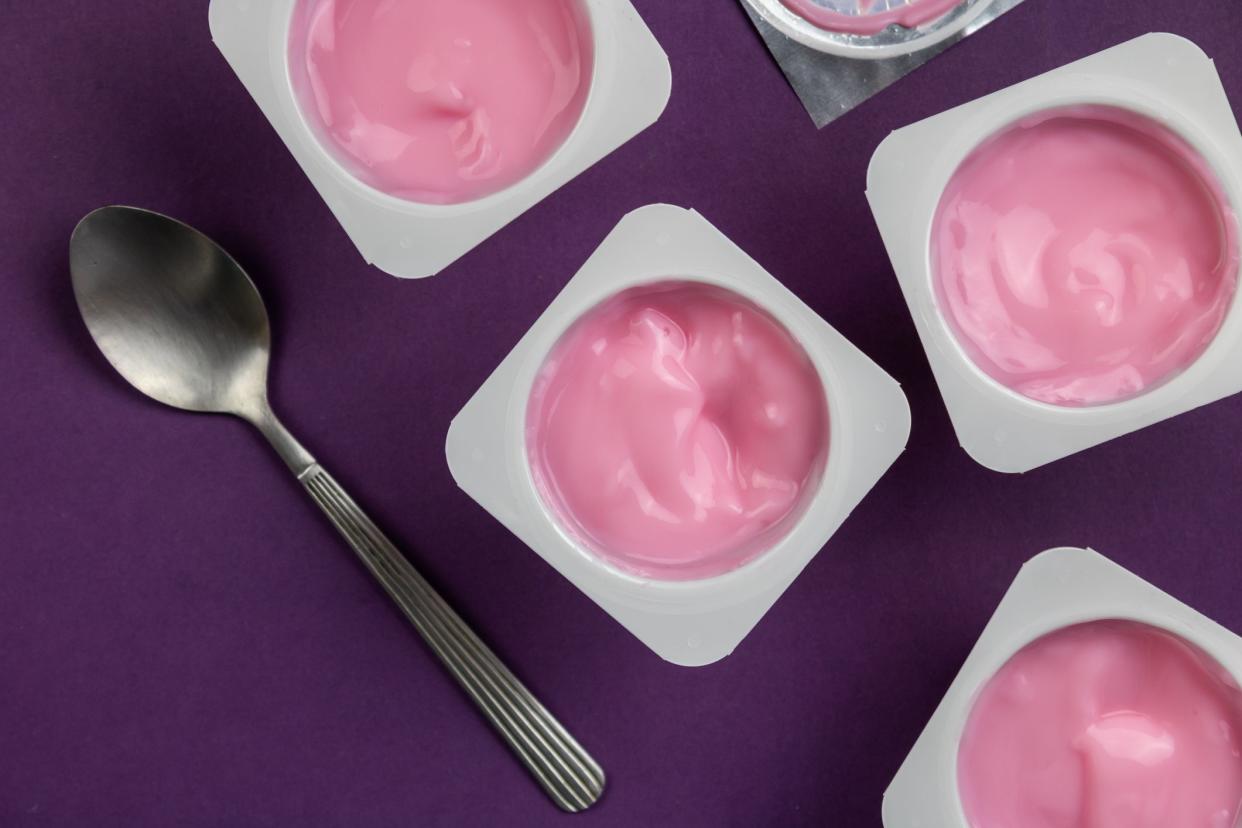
(676, 430)
(441, 101)
(1084, 255)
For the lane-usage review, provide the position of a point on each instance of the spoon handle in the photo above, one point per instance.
(560, 765)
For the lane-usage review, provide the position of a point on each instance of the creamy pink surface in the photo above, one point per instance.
(1110, 724)
(441, 101)
(868, 21)
(676, 430)
(1084, 255)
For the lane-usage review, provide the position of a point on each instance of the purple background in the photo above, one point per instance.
(184, 641)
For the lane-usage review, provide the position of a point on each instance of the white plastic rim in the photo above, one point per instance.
(868, 47)
(1162, 77)
(630, 86)
(691, 622)
(1057, 589)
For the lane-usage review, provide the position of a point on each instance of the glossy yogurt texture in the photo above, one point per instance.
(1110, 724)
(676, 430)
(869, 20)
(441, 101)
(1084, 255)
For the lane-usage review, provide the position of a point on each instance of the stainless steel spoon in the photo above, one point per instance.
(179, 319)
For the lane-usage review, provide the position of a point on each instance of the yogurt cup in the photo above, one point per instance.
(628, 88)
(685, 619)
(870, 29)
(1161, 79)
(1054, 593)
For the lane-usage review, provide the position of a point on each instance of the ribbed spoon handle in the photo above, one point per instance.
(560, 765)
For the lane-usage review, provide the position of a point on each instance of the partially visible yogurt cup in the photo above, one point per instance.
(678, 435)
(427, 125)
(1104, 724)
(1069, 250)
(1091, 700)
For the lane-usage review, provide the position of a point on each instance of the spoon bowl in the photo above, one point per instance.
(173, 312)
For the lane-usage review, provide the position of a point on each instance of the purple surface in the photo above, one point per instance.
(184, 641)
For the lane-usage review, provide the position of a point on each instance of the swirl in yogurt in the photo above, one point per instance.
(677, 430)
(441, 101)
(1084, 255)
(1109, 724)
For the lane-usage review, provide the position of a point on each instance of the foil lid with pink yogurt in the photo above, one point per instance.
(868, 17)
(838, 53)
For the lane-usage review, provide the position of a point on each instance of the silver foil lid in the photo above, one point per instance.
(833, 72)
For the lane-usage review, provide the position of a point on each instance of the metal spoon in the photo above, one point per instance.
(179, 319)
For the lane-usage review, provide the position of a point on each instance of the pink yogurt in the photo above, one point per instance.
(677, 430)
(1084, 255)
(868, 21)
(1111, 724)
(441, 101)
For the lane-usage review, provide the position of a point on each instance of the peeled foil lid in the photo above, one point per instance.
(829, 85)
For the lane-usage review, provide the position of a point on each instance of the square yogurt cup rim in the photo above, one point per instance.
(1013, 628)
(977, 121)
(679, 244)
(308, 133)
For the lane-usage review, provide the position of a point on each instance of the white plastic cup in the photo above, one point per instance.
(687, 622)
(1057, 589)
